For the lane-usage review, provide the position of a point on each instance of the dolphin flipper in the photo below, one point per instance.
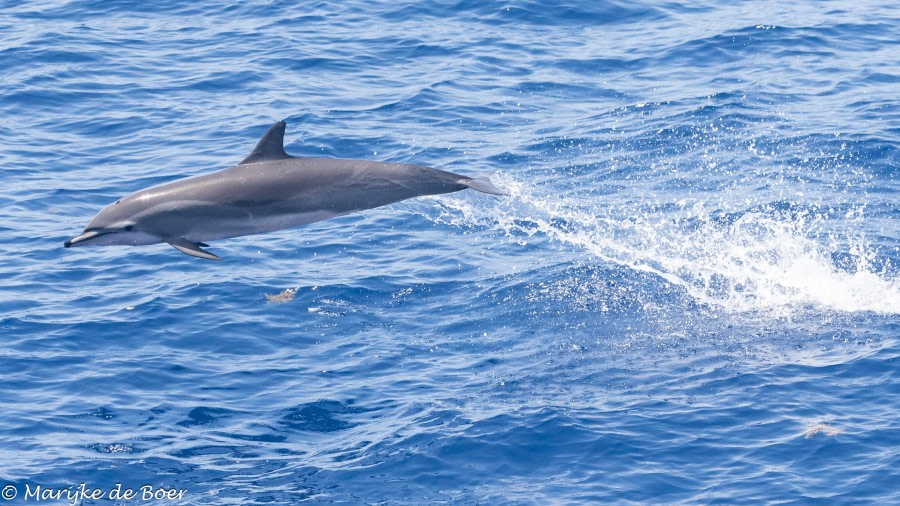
(191, 248)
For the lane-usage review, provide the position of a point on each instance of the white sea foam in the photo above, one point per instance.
(760, 260)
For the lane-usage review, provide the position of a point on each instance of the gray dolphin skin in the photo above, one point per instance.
(269, 190)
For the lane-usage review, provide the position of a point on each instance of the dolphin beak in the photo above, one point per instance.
(86, 236)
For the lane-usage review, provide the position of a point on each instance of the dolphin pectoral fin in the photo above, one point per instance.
(191, 248)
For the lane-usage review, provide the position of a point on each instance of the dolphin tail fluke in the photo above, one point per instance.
(483, 185)
(192, 249)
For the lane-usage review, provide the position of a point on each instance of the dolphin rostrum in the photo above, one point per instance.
(269, 190)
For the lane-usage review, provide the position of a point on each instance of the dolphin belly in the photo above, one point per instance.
(226, 229)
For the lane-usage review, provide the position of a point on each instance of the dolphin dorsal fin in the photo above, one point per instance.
(270, 147)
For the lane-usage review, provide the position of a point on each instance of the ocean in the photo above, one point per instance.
(690, 294)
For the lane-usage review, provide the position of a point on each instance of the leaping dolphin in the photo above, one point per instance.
(269, 190)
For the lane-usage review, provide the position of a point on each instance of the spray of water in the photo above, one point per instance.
(761, 260)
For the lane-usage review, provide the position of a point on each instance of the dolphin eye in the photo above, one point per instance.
(128, 228)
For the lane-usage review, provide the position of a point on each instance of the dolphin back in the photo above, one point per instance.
(336, 185)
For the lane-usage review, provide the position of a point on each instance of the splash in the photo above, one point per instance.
(773, 259)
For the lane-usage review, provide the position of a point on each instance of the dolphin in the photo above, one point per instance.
(269, 190)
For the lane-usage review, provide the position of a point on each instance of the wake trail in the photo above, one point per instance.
(763, 259)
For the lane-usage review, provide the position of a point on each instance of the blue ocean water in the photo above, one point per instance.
(691, 294)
